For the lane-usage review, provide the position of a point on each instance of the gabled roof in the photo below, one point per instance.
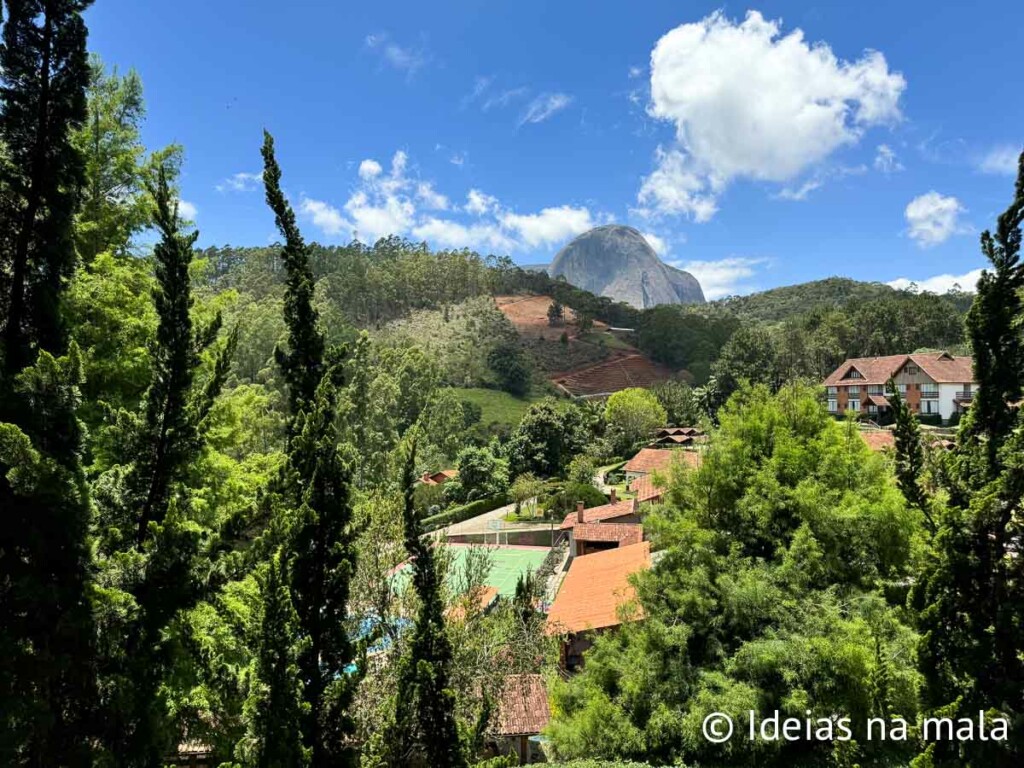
(646, 490)
(940, 367)
(675, 439)
(623, 533)
(599, 514)
(437, 478)
(594, 589)
(522, 707)
(664, 431)
(660, 459)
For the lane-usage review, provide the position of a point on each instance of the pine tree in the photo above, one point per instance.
(144, 518)
(46, 633)
(909, 454)
(425, 730)
(972, 594)
(274, 703)
(314, 489)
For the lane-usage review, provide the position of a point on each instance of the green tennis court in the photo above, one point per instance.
(508, 563)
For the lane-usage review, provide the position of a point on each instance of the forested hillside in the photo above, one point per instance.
(232, 480)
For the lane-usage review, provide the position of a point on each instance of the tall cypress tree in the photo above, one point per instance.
(143, 511)
(972, 594)
(909, 454)
(46, 633)
(425, 730)
(315, 492)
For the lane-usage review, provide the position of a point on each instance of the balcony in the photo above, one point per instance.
(929, 394)
(966, 396)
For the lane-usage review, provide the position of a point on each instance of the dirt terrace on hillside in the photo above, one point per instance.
(529, 314)
(613, 375)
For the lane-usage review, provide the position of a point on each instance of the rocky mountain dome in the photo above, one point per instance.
(617, 262)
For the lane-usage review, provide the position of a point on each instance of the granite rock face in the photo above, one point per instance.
(617, 262)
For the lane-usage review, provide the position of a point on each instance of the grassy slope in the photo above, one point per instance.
(498, 406)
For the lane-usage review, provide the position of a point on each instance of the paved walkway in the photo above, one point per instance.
(485, 523)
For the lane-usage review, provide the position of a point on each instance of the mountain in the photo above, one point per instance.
(617, 262)
(778, 304)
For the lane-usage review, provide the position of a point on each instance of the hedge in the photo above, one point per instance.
(464, 512)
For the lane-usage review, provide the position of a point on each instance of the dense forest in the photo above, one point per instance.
(213, 531)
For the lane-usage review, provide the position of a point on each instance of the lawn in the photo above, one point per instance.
(497, 406)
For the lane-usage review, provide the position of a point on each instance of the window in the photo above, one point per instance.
(854, 390)
(929, 406)
(930, 389)
(872, 408)
(854, 405)
(912, 370)
(853, 373)
(875, 389)
(833, 406)
(832, 390)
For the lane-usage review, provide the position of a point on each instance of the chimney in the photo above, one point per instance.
(613, 497)
(579, 512)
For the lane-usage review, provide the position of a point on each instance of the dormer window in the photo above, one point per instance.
(912, 370)
(853, 373)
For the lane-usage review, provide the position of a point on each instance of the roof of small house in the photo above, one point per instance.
(879, 439)
(660, 459)
(623, 533)
(601, 513)
(646, 489)
(941, 367)
(522, 706)
(595, 588)
(483, 598)
(437, 478)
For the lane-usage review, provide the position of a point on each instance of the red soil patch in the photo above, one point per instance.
(529, 314)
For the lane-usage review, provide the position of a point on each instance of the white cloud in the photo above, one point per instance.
(1001, 160)
(480, 86)
(369, 169)
(446, 233)
(933, 218)
(544, 106)
(328, 218)
(551, 225)
(749, 103)
(393, 203)
(939, 283)
(673, 188)
(405, 59)
(479, 203)
(886, 160)
(801, 192)
(187, 210)
(241, 182)
(635, 72)
(504, 98)
(430, 197)
(657, 243)
(725, 277)
(458, 159)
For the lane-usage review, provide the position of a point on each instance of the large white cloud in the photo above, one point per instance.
(748, 102)
(725, 277)
(939, 283)
(396, 203)
(933, 218)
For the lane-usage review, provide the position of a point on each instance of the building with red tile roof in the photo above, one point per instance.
(649, 460)
(933, 383)
(522, 712)
(619, 511)
(588, 538)
(647, 490)
(595, 588)
(439, 478)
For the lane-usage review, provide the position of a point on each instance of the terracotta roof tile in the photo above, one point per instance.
(624, 533)
(595, 587)
(522, 706)
(646, 490)
(599, 514)
(940, 367)
(660, 459)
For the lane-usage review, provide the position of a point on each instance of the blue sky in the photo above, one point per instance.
(756, 145)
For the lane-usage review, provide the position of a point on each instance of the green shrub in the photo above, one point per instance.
(464, 512)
